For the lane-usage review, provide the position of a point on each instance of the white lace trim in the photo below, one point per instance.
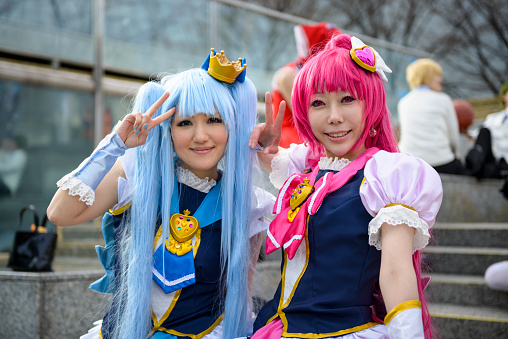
(395, 215)
(188, 178)
(77, 187)
(280, 165)
(334, 164)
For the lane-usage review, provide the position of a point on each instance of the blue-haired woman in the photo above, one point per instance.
(183, 228)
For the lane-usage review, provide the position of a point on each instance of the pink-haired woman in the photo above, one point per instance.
(351, 227)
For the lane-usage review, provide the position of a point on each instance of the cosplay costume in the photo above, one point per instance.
(185, 306)
(189, 261)
(331, 256)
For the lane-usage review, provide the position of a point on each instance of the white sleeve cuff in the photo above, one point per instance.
(87, 176)
(288, 161)
(77, 187)
(261, 204)
(280, 165)
(406, 324)
(395, 215)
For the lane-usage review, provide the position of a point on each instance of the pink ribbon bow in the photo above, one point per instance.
(289, 234)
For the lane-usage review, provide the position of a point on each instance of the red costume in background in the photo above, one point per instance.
(309, 40)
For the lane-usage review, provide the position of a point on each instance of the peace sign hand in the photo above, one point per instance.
(134, 128)
(268, 134)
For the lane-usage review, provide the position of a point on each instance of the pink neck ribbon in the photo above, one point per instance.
(289, 234)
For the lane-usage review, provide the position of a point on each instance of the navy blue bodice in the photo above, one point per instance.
(335, 292)
(199, 305)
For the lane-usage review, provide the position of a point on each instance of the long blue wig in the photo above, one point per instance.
(192, 92)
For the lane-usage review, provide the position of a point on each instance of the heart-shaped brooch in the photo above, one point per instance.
(364, 57)
(298, 197)
(182, 228)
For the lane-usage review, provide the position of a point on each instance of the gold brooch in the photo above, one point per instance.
(182, 228)
(298, 197)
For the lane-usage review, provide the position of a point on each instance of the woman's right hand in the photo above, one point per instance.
(134, 128)
(268, 134)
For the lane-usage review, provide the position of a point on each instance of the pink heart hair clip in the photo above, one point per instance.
(367, 58)
(364, 57)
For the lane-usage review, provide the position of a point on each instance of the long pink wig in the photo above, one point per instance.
(332, 70)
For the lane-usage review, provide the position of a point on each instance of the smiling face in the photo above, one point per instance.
(336, 121)
(200, 142)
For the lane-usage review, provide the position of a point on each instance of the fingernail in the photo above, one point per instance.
(136, 127)
(146, 126)
(137, 132)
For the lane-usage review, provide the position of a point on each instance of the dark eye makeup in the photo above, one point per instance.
(317, 103)
(348, 99)
(215, 120)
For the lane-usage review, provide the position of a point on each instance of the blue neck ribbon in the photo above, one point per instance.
(170, 271)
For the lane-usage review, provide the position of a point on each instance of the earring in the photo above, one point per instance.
(372, 132)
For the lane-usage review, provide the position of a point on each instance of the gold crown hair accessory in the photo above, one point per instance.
(219, 67)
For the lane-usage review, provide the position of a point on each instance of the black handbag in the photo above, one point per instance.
(33, 250)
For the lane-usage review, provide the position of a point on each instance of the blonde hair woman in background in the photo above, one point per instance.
(428, 124)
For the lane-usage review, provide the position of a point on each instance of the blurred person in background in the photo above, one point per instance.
(428, 123)
(496, 276)
(488, 158)
(12, 163)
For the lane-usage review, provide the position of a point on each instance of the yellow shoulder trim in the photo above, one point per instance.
(406, 206)
(406, 305)
(272, 318)
(333, 334)
(195, 336)
(157, 237)
(120, 210)
(363, 181)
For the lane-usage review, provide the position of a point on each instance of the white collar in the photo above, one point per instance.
(334, 164)
(188, 178)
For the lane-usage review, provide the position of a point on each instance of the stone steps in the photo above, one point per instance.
(461, 304)
(471, 234)
(467, 290)
(462, 260)
(79, 241)
(459, 321)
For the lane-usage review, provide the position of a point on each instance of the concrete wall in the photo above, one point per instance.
(466, 199)
(49, 305)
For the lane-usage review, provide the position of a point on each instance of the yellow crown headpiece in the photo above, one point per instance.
(219, 67)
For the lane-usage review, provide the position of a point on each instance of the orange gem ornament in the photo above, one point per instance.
(182, 228)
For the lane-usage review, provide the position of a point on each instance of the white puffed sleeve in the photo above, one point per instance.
(128, 161)
(401, 189)
(261, 204)
(287, 162)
